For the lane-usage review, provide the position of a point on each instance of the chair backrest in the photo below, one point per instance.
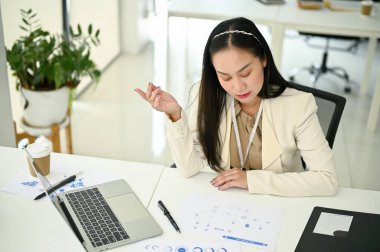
(330, 110)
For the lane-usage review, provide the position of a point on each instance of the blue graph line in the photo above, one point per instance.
(245, 240)
(77, 183)
(30, 183)
(181, 249)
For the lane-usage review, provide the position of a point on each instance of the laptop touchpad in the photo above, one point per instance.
(127, 208)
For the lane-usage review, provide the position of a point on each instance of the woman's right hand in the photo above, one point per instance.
(161, 101)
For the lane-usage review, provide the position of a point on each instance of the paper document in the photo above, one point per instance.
(246, 223)
(182, 245)
(24, 184)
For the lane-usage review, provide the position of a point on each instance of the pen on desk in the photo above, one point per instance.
(58, 185)
(168, 215)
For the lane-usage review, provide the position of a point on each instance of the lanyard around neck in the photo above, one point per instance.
(242, 161)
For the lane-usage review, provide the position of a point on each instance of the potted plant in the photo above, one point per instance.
(50, 66)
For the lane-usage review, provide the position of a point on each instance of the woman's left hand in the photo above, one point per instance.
(235, 177)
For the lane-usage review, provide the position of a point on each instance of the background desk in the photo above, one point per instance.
(325, 21)
(173, 189)
(27, 225)
(289, 16)
(224, 9)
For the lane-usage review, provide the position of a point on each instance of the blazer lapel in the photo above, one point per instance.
(271, 149)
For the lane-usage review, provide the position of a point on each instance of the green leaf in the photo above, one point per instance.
(25, 22)
(79, 30)
(58, 76)
(90, 29)
(37, 78)
(23, 28)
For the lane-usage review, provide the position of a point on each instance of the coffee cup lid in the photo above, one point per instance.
(39, 150)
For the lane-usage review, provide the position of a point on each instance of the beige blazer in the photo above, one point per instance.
(290, 129)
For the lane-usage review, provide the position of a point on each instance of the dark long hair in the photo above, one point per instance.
(212, 97)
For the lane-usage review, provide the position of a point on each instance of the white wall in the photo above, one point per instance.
(134, 24)
(102, 14)
(7, 136)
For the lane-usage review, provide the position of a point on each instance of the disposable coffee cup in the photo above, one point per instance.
(366, 8)
(40, 152)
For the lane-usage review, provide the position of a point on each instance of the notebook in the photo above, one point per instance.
(104, 216)
(340, 231)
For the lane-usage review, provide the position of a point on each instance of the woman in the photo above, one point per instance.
(248, 123)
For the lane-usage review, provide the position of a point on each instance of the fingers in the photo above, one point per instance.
(161, 101)
(230, 178)
(151, 94)
(225, 177)
(156, 101)
(141, 93)
(154, 94)
(228, 185)
(149, 90)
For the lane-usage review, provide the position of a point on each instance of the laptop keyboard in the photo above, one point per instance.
(99, 222)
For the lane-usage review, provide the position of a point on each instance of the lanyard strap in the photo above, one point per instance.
(253, 132)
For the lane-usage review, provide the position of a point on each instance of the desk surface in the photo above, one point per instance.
(297, 212)
(287, 14)
(328, 21)
(22, 217)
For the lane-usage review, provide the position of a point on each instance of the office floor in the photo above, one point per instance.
(112, 121)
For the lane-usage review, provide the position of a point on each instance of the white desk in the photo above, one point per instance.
(25, 223)
(172, 189)
(224, 9)
(289, 16)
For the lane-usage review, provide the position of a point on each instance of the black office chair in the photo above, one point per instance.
(318, 69)
(330, 110)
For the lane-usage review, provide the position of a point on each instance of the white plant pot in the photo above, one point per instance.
(45, 107)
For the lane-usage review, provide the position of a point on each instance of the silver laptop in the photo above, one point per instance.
(104, 216)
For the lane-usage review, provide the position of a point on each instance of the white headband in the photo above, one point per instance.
(237, 31)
